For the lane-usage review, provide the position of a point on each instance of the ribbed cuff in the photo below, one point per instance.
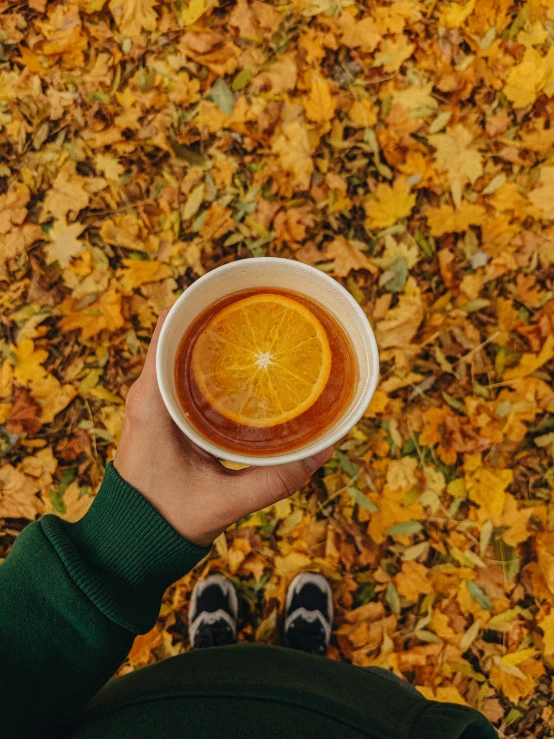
(122, 554)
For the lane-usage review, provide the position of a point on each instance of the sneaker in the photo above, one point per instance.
(213, 613)
(308, 613)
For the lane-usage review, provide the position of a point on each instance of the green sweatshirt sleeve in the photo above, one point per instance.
(72, 598)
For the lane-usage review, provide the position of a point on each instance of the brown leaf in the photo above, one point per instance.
(347, 257)
(23, 416)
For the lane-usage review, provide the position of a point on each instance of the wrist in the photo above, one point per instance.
(123, 554)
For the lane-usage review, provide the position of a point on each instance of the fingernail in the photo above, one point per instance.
(312, 464)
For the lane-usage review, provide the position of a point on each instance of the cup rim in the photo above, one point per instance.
(311, 449)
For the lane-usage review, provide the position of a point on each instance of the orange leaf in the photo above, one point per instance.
(104, 313)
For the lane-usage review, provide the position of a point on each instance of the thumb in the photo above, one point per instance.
(270, 484)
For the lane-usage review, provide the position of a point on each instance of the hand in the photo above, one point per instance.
(191, 489)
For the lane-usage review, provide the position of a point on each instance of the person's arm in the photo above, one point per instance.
(74, 596)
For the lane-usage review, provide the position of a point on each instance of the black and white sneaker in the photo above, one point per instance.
(213, 613)
(308, 613)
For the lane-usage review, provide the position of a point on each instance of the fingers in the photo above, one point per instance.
(149, 368)
(266, 485)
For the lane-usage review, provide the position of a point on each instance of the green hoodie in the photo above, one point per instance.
(74, 596)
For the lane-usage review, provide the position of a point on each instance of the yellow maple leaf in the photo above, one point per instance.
(29, 369)
(347, 257)
(359, 34)
(125, 231)
(486, 487)
(445, 219)
(388, 204)
(412, 581)
(64, 242)
(393, 53)
(401, 474)
(193, 11)
(362, 114)
(12, 207)
(319, 104)
(18, 494)
(530, 363)
(41, 465)
(132, 16)
(527, 80)
(109, 167)
(138, 272)
(293, 149)
(67, 193)
(291, 563)
(542, 196)
(103, 313)
(46, 389)
(455, 157)
(392, 510)
(53, 397)
(454, 15)
(401, 323)
(519, 685)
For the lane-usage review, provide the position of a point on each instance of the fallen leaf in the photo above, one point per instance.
(319, 103)
(293, 150)
(401, 323)
(18, 497)
(67, 194)
(388, 204)
(530, 363)
(132, 16)
(64, 242)
(347, 257)
(445, 219)
(104, 313)
(138, 272)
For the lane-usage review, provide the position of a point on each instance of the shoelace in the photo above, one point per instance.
(217, 634)
(307, 636)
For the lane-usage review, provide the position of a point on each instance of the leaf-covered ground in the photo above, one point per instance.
(406, 149)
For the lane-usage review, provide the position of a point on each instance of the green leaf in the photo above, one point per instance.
(477, 304)
(423, 244)
(183, 152)
(392, 598)
(56, 496)
(454, 403)
(478, 595)
(242, 79)
(346, 464)
(362, 500)
(406, 528)
(222, 95)
(395, 277)
(8, 353)
(365, 594)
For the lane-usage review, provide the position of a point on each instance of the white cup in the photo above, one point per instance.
(275, 273)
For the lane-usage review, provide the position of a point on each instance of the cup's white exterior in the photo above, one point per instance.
(277, 273)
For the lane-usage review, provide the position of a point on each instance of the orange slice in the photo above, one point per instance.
(262, 361)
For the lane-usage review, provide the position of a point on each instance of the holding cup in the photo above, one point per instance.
(266, 361)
